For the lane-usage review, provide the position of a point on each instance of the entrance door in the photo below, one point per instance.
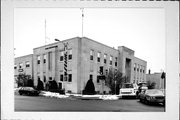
(60, 86)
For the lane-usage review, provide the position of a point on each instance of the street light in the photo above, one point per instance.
(65, 59)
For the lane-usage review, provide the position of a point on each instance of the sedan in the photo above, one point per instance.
(28, 91)
(152, 96)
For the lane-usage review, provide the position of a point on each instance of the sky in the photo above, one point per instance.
(140, 29)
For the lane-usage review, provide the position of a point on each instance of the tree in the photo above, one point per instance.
(151, 85)
(40, 85)
(114, 80)
(22, 80)
(89, 89)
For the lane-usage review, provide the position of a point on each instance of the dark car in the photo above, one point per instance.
(28, 91)
(152, 96)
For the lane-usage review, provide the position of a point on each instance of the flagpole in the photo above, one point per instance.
(82, 10)
(45, 31)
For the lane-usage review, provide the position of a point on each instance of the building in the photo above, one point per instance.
(156, 77)
(23, 64)
(85, 58)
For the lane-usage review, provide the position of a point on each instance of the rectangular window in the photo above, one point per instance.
(38, 59)
(70, 55)
(91, 55)
(61, 55)
(50, 78)
(15, 66)
(110, 60)
(27, 64)
(44, 78)
(61, 77)
(49, 60)
(44, 58)
(97, 79)
(138, 68)
(69, 77)
(98, 57)
(20, 65)
(135, 67)
(116, 61)
(105, 58)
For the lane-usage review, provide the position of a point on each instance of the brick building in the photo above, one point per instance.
(85, 57)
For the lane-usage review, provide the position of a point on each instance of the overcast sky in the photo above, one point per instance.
(142, 30)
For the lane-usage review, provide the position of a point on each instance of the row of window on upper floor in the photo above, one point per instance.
(20, 65)
(139, 68)
(105, 58)
(91, 57)
(61, 56)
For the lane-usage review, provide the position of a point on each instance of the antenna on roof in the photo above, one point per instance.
(82, 10)
(45, 31)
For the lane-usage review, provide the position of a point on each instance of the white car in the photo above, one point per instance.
(128, 90)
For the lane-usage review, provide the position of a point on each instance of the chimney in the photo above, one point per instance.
(149, 71)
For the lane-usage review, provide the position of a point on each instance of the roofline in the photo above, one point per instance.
(100, 43)
(24, 56)
(55, 43)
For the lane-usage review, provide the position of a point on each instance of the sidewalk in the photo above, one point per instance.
(79, 96)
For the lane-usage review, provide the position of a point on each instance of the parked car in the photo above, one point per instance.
(152, 96)
(128, 90)
(28, 91)
(141, 86)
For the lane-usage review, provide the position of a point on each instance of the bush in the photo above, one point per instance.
(40, 85)
(89, 89)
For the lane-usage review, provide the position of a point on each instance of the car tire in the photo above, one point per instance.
(140, 100)
(146, 101)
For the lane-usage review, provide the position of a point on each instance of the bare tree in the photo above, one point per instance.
(114, 80)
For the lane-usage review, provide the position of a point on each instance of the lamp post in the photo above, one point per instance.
(65, 59)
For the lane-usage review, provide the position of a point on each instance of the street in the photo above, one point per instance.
(39, 103)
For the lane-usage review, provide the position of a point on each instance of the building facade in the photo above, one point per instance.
(85, 58)
(156, 77)
(23, 64)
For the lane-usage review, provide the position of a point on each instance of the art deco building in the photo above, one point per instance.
(85, 58)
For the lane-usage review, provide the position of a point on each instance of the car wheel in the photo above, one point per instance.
(146, 101)
(140, 100)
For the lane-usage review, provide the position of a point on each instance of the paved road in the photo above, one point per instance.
(29, 103)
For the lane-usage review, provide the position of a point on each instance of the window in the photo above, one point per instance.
(61, 55)
(91, 77)
(70, 55)
(15, 66)
(61, 77)
(98, 56)
(20, 65)
(44, 58)
(110, 60)
(91, 55)
(69, 77)
(97, 79)
(44, 78)
(38, 59)
(105, 57)
(27, 64)
(135, 67)
(50, 78)
(138, 68)
(116, 61)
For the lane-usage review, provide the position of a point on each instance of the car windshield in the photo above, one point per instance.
(29, 88)
(154, 92)
(127, 86)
